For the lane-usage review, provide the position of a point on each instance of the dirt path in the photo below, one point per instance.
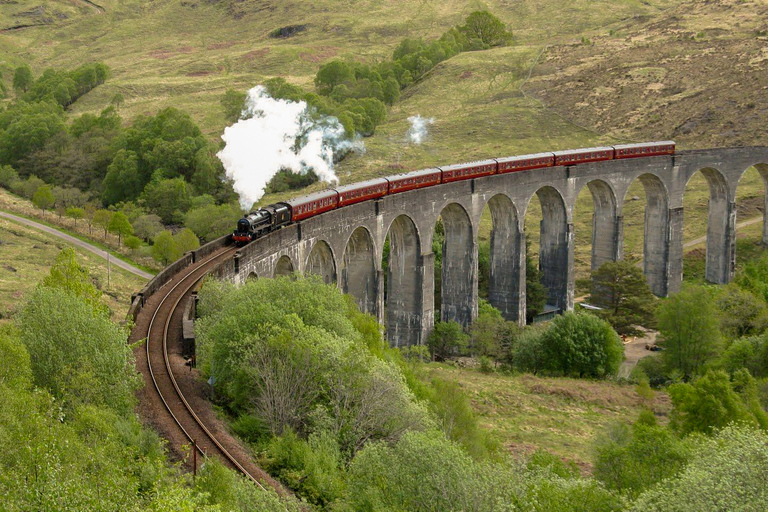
(635, 350)
(76, 241)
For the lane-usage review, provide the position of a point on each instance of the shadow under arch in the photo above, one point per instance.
(605, 224)
(656, 233)
(284, 266)
(404, 308)
(762, 169)
(507, 259)
(458, 291)
(553, 246)
(720, 217)
(358, 270)
(321, 262)
(253, 276)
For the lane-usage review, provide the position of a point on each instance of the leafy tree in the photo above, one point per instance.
(581, 345)
(93, 365)
(7, 176)
(25, 128)
(688, 322)
(448, 339)
(169, 198)
(75, 213)
(486, 28)
(120, 226)
(165, 249)
(68, 275)
(117, 100)
(748, 353)
(528, 355)
(486, 331)
(102, 218)
(211, 221)
(123, 180)
(620, 288)
(132, 242)
(22, 79)
(16, 371)
(297, 360)
(147, 226)
(186, 240)
(28, 187)
(727, 472)
(743, 313)
(754, 277)
(332, 74)
(233, 103)
(710, 403)
(633, 459)
(424, 471)
(43, 198)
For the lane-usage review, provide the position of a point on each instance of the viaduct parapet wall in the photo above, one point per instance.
(346, 246)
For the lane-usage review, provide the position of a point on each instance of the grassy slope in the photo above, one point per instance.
(563, 416)
(27, 256)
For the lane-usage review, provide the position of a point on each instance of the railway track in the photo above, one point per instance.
(165, 401)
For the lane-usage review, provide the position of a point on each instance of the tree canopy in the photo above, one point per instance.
(620, 289)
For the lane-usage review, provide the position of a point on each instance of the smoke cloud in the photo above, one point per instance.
(275, 134)
(418, 130)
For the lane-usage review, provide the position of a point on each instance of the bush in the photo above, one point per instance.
(312, 468)
(632, 459)
(712, 402)
(581, 345)
(448, 339)
(529, 350)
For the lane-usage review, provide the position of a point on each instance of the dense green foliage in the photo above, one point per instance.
(69, 439)
(297, 361)
(713, 401)
(726, 472)
(161, 165)
(689, 324)
(634, 458)
(447, 339)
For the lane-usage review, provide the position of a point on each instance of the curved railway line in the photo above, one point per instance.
(172, 398)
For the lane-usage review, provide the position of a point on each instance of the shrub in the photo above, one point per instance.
(448, 339)
(581, 345)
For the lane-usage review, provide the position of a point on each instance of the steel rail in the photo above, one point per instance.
(181, 396)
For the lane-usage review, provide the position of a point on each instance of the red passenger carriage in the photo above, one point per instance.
(468, 171)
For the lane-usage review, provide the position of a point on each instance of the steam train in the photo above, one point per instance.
(274, 216)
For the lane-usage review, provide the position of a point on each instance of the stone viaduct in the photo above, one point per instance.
(346, 246)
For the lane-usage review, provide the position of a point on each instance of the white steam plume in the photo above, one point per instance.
(275, 134)
(418, 130)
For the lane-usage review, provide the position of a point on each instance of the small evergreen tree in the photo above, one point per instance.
(620, 288)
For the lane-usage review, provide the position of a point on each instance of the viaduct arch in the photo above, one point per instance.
(346, 246)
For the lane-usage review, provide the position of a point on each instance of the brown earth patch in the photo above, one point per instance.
(198, 73)
(221, 46)
(166, 54)
(255, 54)
(583, 390)
(319, 54)
(465, 75)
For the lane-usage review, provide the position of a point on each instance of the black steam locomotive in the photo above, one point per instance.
(261, 221)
